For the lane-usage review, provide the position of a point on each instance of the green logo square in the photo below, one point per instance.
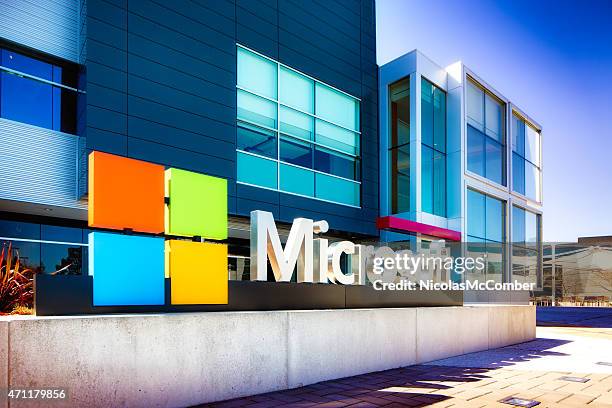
(197, 206)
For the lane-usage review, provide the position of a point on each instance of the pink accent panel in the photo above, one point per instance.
(402, 225)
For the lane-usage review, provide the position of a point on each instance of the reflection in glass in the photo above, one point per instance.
(486, 134)
(399, 146)
(256, 140)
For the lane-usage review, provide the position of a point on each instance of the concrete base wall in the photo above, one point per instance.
(175, 360)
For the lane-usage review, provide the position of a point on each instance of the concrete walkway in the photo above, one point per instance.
(531, 370)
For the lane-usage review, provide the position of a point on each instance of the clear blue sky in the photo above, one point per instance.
(551, 58)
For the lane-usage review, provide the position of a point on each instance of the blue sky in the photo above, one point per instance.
(551, 58)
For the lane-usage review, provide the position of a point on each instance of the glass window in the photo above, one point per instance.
(296, 180)
(30, 100)
(486, 231)
(296, 152)
(495, 219)
(525, 158)
(296, 124)
(16, 229)
(309, 125)
(399, 146)
(336, 107)
(526, 244)
(475, 106)
(61, 259)
(256, 73)
(518, 136)
(439, 120)
(518, 173)
(257, 171)
(476, 226)
(255, 109)
(486, 217)
(332, 162)
(475, 151)
(337, 190)
(296, 90)
(45, 248)
(532, 181)
(427, 120)
(532, 145)
(336, 137)
(518, 225)
(400, 179)
(494, 118)
(485, 134)
(427, 179)
(433, 149)
(494, 158)
(256, 140)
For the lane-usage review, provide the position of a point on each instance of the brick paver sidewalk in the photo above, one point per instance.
(530, 370)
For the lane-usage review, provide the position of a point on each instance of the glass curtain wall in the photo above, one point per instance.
(37, 92)
(486, 231)
(433, 149)
(525, 159)
(526, 245)
(399, 146)
(486, 139)
(296, 134)
(47, 249)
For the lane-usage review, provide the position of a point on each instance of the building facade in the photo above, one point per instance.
(457, 155)
(282, 99)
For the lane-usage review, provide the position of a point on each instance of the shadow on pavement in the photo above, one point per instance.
(414, 386)
(594, 317)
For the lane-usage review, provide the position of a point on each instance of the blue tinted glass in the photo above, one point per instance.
(257, 171)
(336, 107)
(296, 90)
(256, 73)
(439, 184)
(427, 119)
(296, 124)
(337, 138)
(61, 259)
(16, 229)
(27, 252)
(296, 180)
(296, 152)
(532, 181)
(439, 120)
(28, 65)
(531, 227)
(518, 225)
(475, 151)
(61, 234)
(476, 214)
(518, 135)
(338, 190)
(256, 140)
(427, 179)
(495, 219)
(256, 109)
(26, 100)
(335, 163)
(493, 161)
(518, 173)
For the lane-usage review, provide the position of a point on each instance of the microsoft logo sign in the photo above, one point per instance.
(140, 212)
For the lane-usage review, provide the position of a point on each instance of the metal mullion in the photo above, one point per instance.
(278, 141)
(35, 78)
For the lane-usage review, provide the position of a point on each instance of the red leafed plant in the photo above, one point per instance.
(16, 282)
